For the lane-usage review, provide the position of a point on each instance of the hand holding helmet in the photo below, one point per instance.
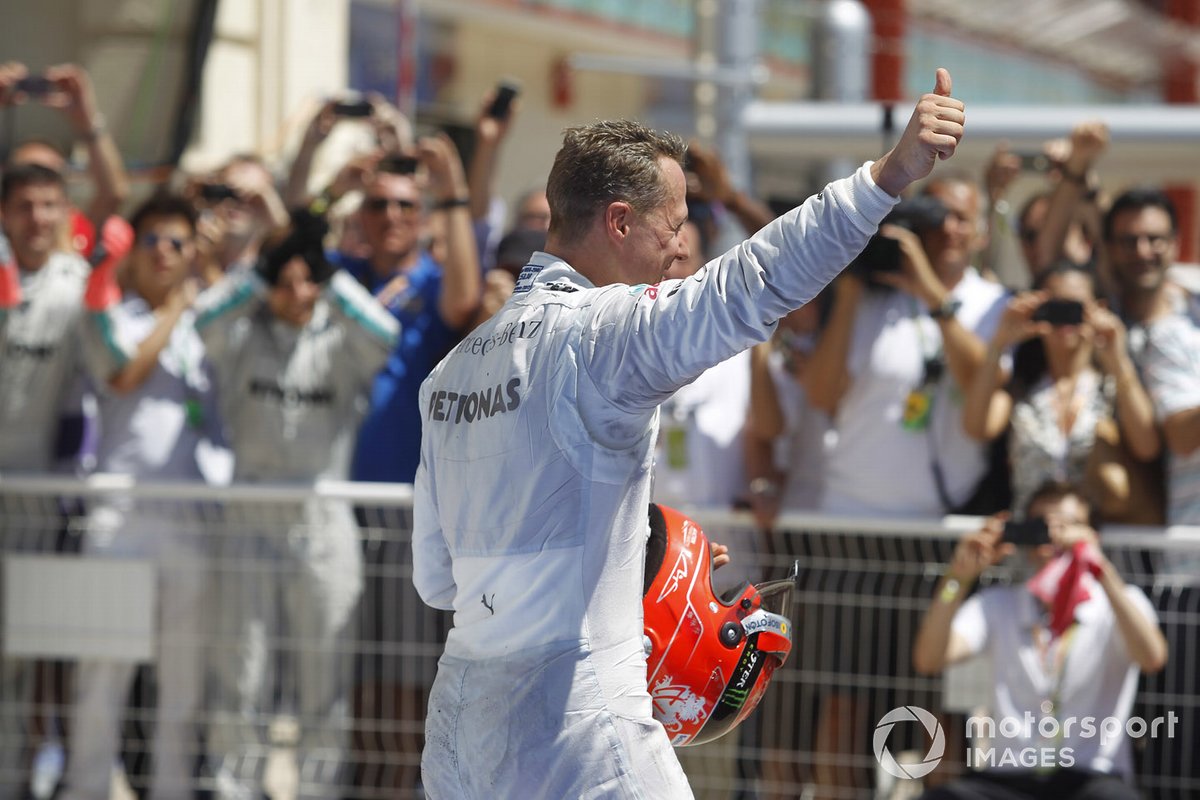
(709, 658)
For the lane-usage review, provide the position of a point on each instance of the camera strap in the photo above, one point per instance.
(918, 404)
(933, 370)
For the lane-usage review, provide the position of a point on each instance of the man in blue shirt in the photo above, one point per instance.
(432, 302)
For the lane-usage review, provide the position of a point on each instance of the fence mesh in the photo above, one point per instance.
(259, 639)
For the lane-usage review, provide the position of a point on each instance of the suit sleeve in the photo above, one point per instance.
(221, 305)
(371, 332)
(645, 342)
(432, 574)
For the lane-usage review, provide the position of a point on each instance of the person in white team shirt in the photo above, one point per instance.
(1053, 668)
(42, 291)
(155, 408)
(294, 346)
(539, 431)
(894, 360)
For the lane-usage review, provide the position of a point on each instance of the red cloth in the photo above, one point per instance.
(1060, 583)
(10, 286)
(102, 289)
(83, 233)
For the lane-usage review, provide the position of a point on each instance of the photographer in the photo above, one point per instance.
(68, 88)
(1065, 644)
(1073, 385)
(902, 343)
(239, 207)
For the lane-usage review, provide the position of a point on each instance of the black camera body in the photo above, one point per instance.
(882, 254)
(398, 164)
(1027, 533)
(1059, 312)
(216, 192)
(353, 108)
(35, 85)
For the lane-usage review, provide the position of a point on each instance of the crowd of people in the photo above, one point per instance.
(254, 327)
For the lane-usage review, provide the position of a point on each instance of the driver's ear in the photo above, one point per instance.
(618, 216)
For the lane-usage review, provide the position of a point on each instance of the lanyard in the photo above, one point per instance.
(1057, 657)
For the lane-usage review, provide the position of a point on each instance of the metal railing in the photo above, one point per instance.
(270, 637)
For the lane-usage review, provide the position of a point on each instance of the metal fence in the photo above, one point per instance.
(268, 639)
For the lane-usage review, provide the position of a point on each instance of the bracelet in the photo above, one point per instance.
(1077, 178)
(764, 487)
(98, 129)
(950, 591)
(452, 202)
(321, 203)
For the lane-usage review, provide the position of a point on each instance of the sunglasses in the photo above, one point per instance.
(151, 240)
(1157, 241)
(380, 204)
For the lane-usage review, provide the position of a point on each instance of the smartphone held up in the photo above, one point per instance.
(501, 106)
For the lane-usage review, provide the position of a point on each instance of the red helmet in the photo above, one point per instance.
(708, 658)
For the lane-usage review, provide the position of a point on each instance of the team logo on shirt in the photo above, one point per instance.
(507, 334)
(645, 289)
(38, 352)
(290, 395)
(447, 406)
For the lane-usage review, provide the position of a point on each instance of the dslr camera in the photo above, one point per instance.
(882, 254)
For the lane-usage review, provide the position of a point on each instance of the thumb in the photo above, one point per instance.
(942, 82)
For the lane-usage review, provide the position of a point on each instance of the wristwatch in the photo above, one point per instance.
(947, 309)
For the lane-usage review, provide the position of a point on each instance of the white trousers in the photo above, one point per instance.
(175, 543)
(286, 595)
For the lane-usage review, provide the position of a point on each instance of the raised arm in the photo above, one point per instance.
(987, 406)
(220, 306)
(964, 351)
(295, 191)
(462, 281)
(937, 646)
(933, 133)
(77, 100)
(737, 299)
(1088, 142)
(716, 185)
(828, 375)
(145, 358)
(1135, 411)
(1143, 639)
(371, 332)
(764, 423)
(490, 133)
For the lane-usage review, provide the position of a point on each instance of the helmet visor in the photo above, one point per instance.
(776, 597)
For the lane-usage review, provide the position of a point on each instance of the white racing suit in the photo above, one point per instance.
(39, 368)
(292, 400)
(530, 519)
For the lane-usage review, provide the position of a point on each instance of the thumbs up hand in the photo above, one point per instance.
(933, 132)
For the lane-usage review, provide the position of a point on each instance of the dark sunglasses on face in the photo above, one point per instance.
(151, 240)
(380, 204)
